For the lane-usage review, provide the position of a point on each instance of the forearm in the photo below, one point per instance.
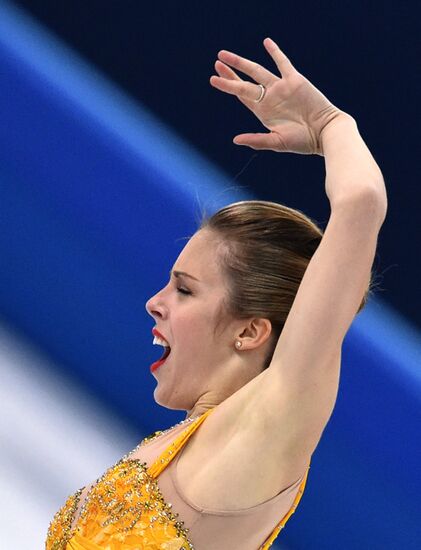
(351, 171)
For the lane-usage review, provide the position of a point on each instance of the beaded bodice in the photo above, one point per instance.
(124, 508)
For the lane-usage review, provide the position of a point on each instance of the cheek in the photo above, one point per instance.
(196, 333)
(196, 324)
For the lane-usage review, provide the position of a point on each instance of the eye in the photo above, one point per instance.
(183, 290)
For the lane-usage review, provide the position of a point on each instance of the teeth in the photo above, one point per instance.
(160, 342)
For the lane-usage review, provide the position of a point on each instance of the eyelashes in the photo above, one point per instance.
(183, 291)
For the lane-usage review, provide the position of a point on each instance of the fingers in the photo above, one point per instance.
(260, 141)
(228, 81)
(225, 72)
(282, 62)
(256, 72)
(242, 89)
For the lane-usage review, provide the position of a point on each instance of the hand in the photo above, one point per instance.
(294, 110)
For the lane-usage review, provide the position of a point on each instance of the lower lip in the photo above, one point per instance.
(157, 364)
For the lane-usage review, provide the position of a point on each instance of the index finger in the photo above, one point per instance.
(282, 62)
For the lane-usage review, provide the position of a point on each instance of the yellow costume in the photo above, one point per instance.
(125, 510)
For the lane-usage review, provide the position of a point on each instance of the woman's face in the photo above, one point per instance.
(185, 313)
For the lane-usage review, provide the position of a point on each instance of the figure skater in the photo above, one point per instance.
(252, 321)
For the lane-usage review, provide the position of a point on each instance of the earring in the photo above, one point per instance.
(238, 344)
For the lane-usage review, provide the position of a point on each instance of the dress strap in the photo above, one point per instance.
(171, 451)
(269, 541)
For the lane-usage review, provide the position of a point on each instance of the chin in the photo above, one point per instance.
(168, 402)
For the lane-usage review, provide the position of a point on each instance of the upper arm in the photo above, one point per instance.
(298, 391)
(332, 288)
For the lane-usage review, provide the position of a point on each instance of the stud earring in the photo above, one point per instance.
(238, 344)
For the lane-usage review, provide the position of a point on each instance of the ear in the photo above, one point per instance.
(256, 333)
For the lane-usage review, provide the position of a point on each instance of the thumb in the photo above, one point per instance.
(259, 141)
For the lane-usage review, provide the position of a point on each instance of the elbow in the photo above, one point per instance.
(368, 205)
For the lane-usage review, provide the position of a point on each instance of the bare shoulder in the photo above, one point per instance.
(241, 455)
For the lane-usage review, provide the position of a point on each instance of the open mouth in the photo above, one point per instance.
(162, 360)
(167, 351)
(160, 341)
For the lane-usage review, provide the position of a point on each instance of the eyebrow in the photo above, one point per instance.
(183, 274)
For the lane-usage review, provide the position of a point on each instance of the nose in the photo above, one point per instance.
(155, 306)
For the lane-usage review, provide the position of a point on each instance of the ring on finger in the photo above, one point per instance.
(262, 94)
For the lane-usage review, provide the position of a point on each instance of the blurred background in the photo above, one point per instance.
(112, 143)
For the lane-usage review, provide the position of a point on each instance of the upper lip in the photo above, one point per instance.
(156, 332)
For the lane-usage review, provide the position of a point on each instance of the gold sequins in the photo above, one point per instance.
(125, 501)
(59, 530)
(115, 499)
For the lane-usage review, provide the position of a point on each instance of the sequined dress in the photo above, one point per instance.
(125, 509)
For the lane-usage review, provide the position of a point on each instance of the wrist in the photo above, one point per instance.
(342, 122)
(351, 170)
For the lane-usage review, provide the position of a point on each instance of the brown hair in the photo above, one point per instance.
(267, 247)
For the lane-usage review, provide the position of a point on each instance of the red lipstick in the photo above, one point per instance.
(157, 364)
(156, 332)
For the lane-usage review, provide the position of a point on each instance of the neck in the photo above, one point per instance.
(198, 411)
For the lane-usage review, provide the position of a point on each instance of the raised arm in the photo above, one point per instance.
(302, 381)
(296, 394)
(338, 274)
